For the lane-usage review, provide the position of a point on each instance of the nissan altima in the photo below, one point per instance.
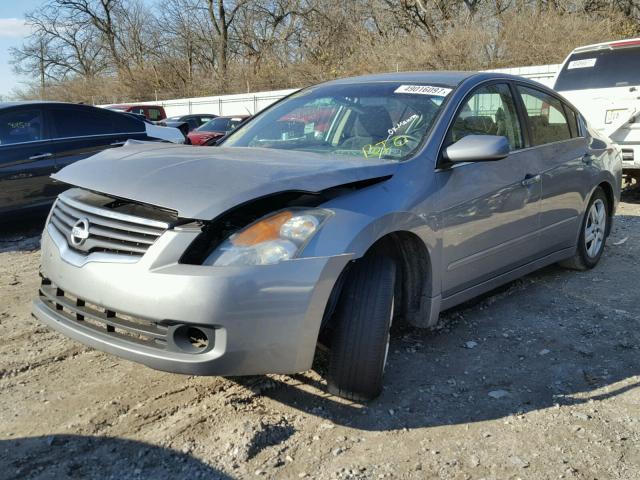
(335, 212)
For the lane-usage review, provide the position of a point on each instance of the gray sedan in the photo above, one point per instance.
(338, 210)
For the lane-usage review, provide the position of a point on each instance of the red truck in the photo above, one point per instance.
(151, 112)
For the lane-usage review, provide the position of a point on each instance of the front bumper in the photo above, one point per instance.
(266, 319)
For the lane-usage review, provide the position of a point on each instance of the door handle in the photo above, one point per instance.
(530, 180)
(118, 144)
(41, 156)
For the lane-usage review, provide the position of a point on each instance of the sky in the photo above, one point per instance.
(12, 34)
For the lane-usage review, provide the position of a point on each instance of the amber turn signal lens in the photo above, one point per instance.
(267, 229)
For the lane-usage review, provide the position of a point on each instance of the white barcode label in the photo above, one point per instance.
(584, 63)
(424, 90)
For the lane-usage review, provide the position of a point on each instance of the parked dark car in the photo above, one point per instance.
(155, 113)
(39, 138)
(216, 129)
(195, 120)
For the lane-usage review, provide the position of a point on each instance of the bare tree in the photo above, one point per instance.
(100, 49)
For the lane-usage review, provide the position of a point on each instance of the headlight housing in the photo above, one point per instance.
(272, 239)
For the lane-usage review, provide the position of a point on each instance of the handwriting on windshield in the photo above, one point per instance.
(399, 125)
(391, 146)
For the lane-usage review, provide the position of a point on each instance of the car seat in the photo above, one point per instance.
(371, 126)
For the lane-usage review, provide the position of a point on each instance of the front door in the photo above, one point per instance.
(489, 211)
(26, 160)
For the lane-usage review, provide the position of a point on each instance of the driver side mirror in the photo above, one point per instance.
(478, 148)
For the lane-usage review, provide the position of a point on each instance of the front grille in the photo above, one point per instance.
(103, 320)
(627, 154)
(102, 229)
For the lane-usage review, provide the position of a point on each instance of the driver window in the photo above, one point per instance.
(489, 111)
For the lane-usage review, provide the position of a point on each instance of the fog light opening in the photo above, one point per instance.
(191, 339)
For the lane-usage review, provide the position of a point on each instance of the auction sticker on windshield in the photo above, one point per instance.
(584, 63)
(423, 90)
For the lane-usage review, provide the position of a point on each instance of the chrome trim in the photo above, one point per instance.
(65, 198)
(41, 156)
(55, 139)
(77, 259)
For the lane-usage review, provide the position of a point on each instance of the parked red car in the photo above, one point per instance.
(151, 112)
(215, 129)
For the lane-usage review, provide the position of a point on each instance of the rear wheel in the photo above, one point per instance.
(363, 318)
(593, 234)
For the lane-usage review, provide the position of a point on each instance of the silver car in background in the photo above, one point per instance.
(334, 212)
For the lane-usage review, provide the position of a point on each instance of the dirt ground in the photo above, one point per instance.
(539, 380)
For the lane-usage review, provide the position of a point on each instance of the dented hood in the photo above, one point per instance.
(203, 182)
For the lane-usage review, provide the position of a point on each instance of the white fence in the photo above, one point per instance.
(240, 104)
(540, 73)
(250, 103)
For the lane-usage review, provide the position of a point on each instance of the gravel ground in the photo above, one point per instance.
(537, 380)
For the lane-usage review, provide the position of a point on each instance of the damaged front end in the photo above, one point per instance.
(147, 284)
(289, 217)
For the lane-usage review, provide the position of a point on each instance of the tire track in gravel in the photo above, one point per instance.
(69, 353)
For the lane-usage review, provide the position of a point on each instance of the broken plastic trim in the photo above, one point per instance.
(216, 231)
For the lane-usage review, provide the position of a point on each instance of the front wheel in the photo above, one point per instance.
(363, 320)
(593, 233)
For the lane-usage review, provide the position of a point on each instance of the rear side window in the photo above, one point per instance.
(573, 121)
(76, 122)
(546, 115)
(154, 114)
(489, 111)
(20, 126)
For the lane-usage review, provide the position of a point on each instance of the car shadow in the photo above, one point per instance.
(549, 339)
(21, 235)
(74, 456)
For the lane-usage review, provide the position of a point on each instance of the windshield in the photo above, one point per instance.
(220, 125)
(600, 69)
(376, 120)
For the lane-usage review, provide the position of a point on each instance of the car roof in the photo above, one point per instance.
(133, 105)
(38, 102)
(628, 42)
(451, 78)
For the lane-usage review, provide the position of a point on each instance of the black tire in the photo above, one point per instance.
(362, 319)
(582, 260)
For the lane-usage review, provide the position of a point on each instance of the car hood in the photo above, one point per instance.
(204, 183)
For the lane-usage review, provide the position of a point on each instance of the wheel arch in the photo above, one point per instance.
(414, 278)
(414, 275)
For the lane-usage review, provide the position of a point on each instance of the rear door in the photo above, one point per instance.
(489, 210)
(80, 131)
(565, 163)
(26, 159)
